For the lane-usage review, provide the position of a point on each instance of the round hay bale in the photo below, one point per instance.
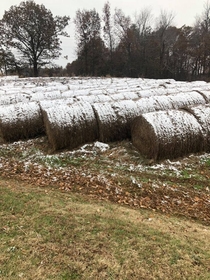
(163, 102)
(94, 98)
(114, 119)
(205, 94)
(44, 104)
(172, 101)
(147, 104)
(20, 121)
(126, 111)
(14, 98)
(167, 134)
(108, 124)
(45, 95)
(70, 126)
(151, 92)
(187, 99)
(202, 114)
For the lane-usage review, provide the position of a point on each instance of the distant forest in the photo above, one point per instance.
(110, 44)
(116, 45)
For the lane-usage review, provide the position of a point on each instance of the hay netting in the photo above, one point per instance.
(20, 121)
(167, 134)
(69, 126)
(202, 114)
(114, 119)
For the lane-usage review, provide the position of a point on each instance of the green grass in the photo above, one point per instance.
(207, 162)
(55, 161)
(47, 234)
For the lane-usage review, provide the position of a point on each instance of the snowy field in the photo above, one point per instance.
(76, 111)
(111, 169)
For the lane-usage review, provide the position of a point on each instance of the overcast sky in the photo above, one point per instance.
(185, 12)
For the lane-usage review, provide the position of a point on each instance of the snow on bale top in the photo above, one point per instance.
(113, 102)
(205, 93)
(151, 92)
(166, 102)
(70, 126)
(185, 99)
(44, 104)
(146, 105)
(7, 99)
(94, 98)
(167, 134)
(45, 95)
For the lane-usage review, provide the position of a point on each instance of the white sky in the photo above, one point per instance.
(185, 12)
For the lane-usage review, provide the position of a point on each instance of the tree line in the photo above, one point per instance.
(117, 45)
(107, 44)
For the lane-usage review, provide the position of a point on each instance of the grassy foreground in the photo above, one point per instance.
(49, 234)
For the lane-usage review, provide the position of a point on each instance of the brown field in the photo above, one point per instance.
(102, 212)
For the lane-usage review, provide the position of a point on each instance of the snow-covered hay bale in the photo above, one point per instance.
(94, 98)
(70, 126)
(202, 114)
(187, 99)
(126, 111)
(44, 104)
(147, 104)
(206, 94)
(20, 121)
(7, 99)
(45, 95)
(114, 119)
(172, 101)
(167, 134)
(108, 124)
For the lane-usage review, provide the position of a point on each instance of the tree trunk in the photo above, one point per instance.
(36, 72)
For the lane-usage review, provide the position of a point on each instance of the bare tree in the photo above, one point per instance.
(143, 21)
(108, 27)
(122, 23)
(108, 33)
(202, 38)
(33, 31)
(89, 43)
(163, 23)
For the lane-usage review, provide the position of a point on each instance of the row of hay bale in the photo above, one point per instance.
(59, 120)
(90, 90)
(96, 96)
(72, 121)
(109, 121)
